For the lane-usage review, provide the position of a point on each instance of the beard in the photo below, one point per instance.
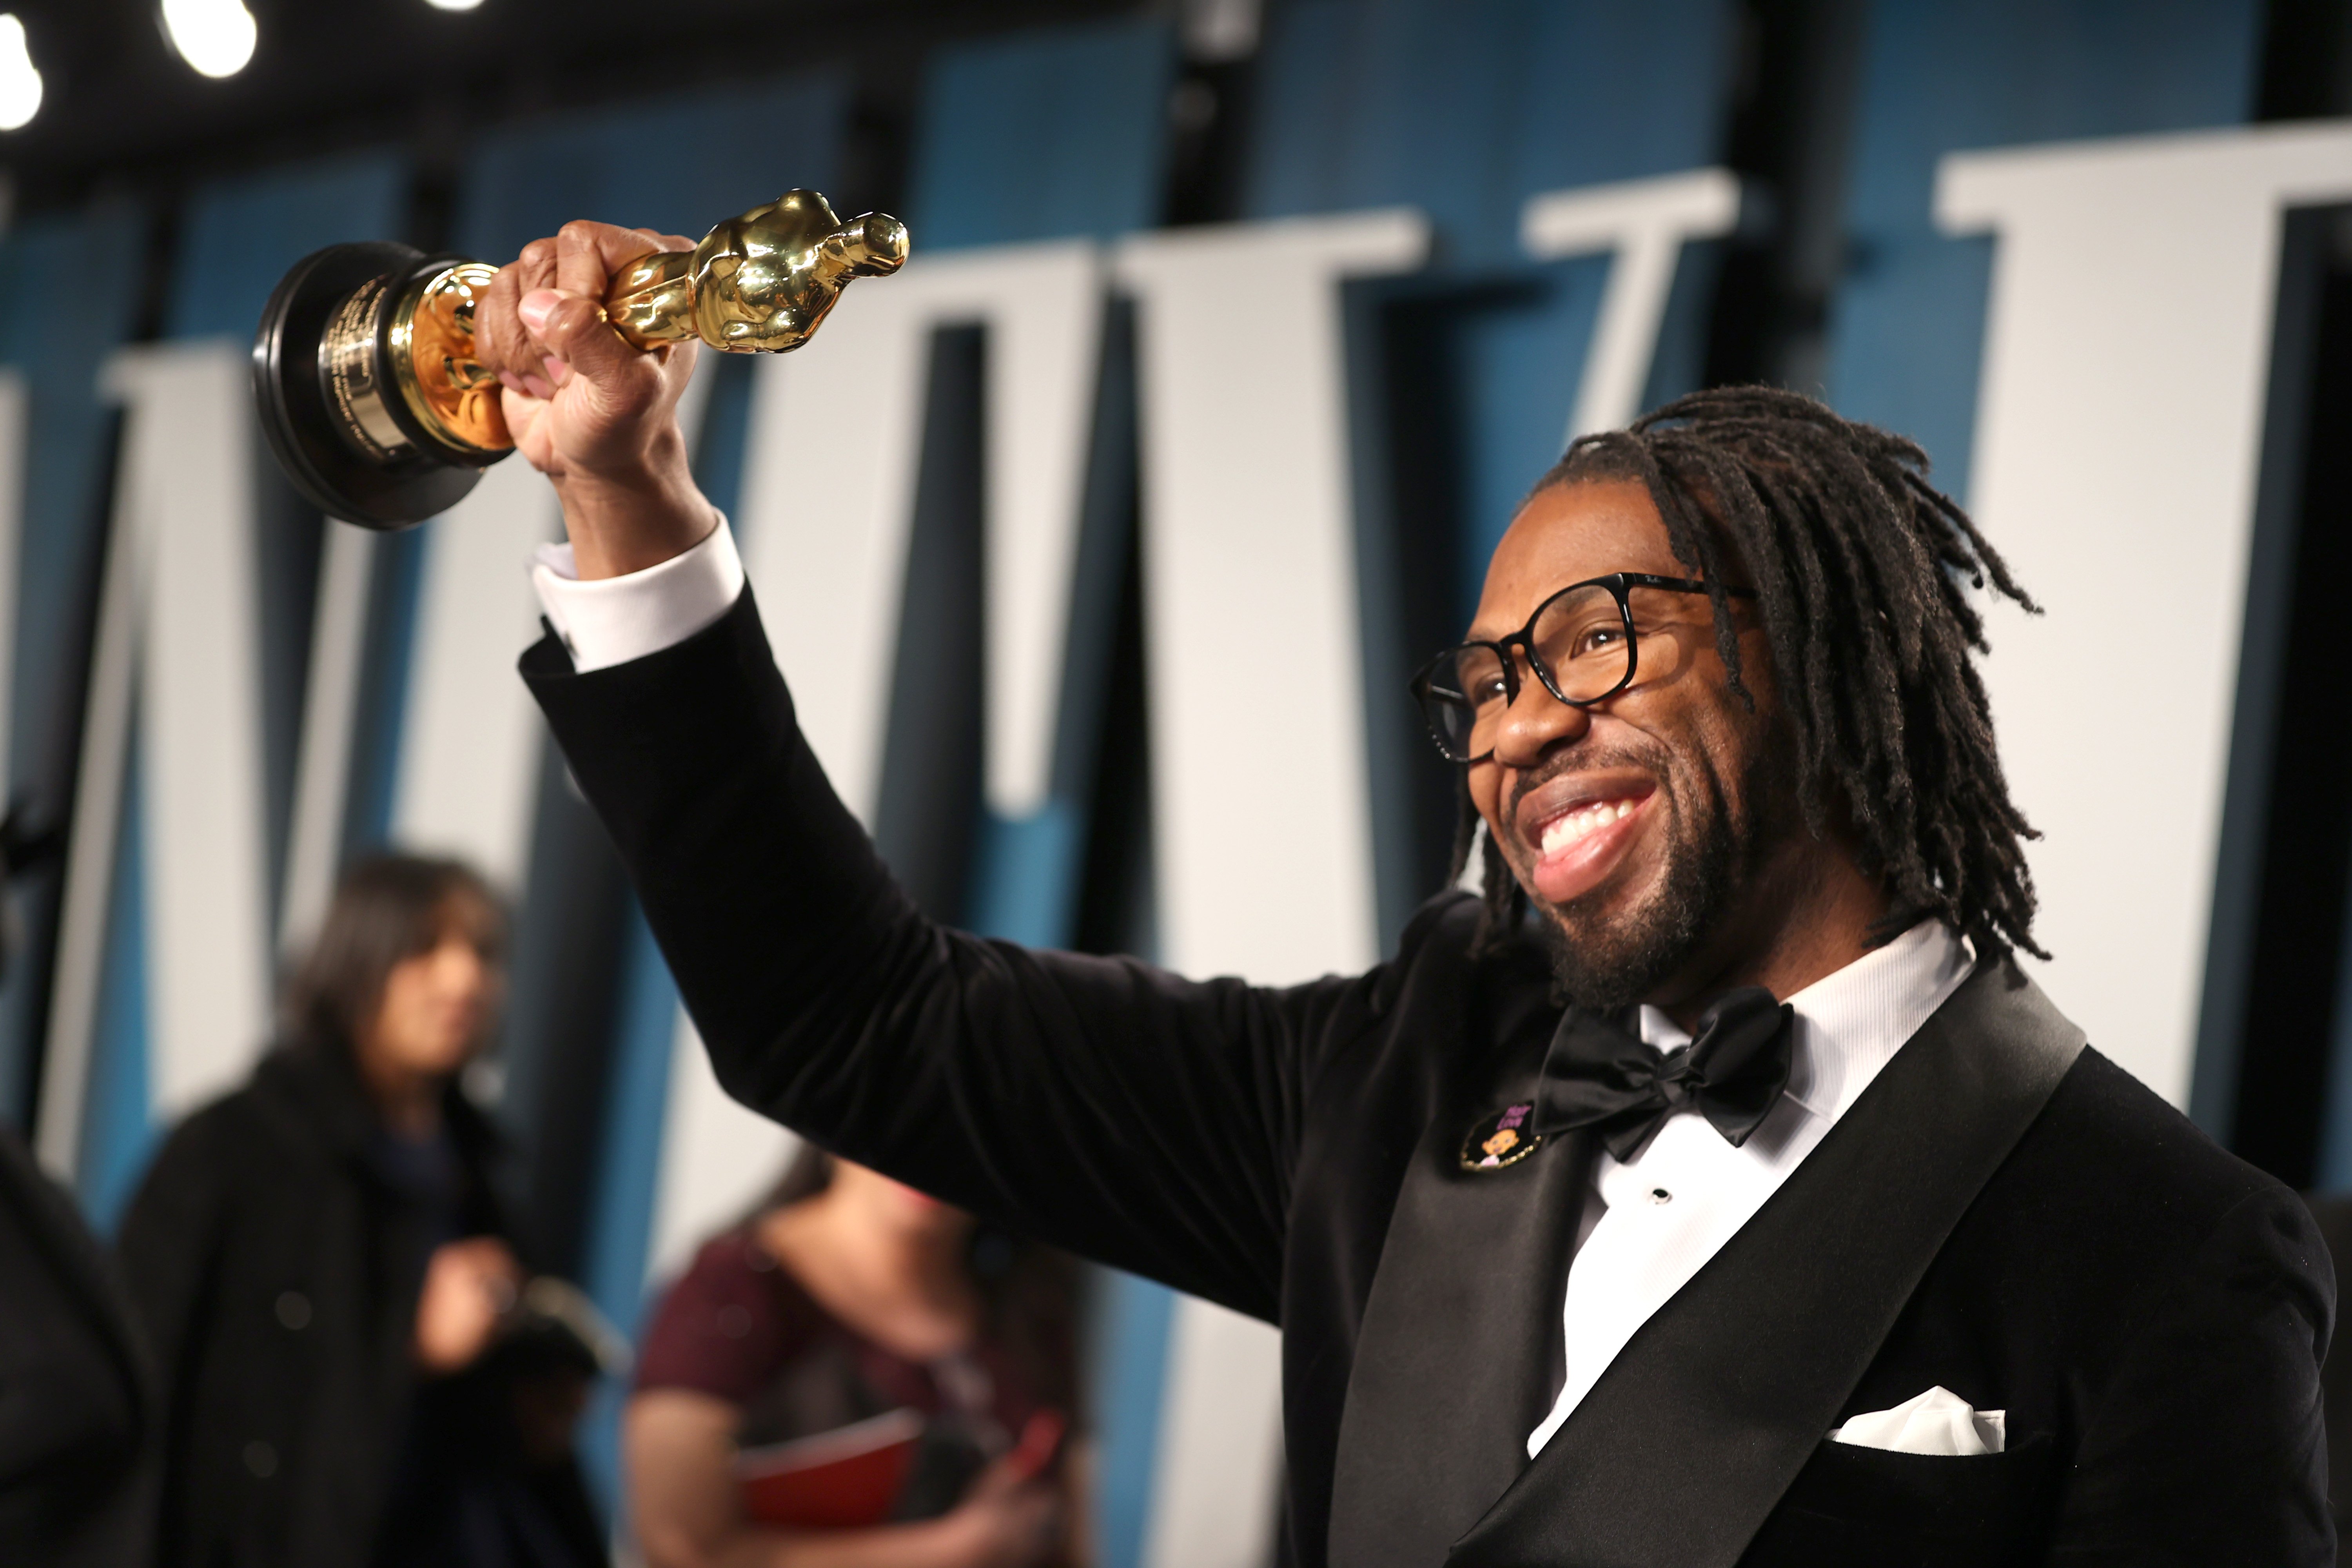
(1714, 843)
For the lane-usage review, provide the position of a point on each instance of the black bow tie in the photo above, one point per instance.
(1599, 1075)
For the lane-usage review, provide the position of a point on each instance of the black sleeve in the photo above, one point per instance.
(2209, 1445)
(1100, 1104)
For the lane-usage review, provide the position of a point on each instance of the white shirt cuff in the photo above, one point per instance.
(616, 619)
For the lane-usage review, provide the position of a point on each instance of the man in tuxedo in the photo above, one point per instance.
(1806, 1231)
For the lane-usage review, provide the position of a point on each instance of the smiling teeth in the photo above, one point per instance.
(1568, 829)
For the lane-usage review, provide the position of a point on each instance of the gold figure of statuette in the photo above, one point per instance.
(759, 283)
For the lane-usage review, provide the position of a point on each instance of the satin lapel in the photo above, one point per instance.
(1449, 1371)
(1690, 1438)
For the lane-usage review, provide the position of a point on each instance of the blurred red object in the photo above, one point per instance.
(846, 1479)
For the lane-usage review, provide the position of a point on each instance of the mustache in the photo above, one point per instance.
(1585, 754)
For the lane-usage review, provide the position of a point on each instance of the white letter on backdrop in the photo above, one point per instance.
(179, 624)
(469, 745)
(331, 699)
(828, 497)
(829, 492)
(2118, 427)
(1257, 721)
(1645, 223)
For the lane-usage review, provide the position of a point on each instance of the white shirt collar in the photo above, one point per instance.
(1850, 1023)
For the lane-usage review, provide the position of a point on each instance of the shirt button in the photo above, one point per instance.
(294, 1309)
(261, 1459)
(1659, 1195)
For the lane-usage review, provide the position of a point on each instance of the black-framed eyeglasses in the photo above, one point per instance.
(1581, 643)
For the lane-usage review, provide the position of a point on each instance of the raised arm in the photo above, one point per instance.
(1100, 1104)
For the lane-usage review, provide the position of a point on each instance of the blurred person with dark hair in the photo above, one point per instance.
(324, 1271)
(849, 1303)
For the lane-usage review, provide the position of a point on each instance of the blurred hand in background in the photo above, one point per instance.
(470, 1287)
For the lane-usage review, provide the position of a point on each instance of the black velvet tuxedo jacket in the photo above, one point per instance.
(2004, 1212)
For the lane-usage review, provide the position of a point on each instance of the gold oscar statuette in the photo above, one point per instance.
(375, 403)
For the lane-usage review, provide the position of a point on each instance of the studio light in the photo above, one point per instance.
(20, 84)
(452, 5)
(214, 35)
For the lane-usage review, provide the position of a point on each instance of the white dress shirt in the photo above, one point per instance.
(1648, 1223)
(616, 619)
(1652, 1221)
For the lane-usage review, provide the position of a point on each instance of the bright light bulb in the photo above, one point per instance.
(214, 35)
(20, 84)
(452, 5)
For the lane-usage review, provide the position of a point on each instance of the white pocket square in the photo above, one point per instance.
(1936, 1422)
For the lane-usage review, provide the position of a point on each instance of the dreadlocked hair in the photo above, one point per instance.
(1857, 563)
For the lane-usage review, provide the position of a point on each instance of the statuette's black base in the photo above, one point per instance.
(297, 416)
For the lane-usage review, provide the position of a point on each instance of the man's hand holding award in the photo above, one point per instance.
(387, 379)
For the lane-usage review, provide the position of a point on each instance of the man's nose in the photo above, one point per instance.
(1535, 723)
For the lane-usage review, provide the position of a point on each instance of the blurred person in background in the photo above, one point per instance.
(78, 1417)
(849, 1298)
(325, 1272)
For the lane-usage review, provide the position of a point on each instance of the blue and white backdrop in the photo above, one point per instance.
(1101, 474)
